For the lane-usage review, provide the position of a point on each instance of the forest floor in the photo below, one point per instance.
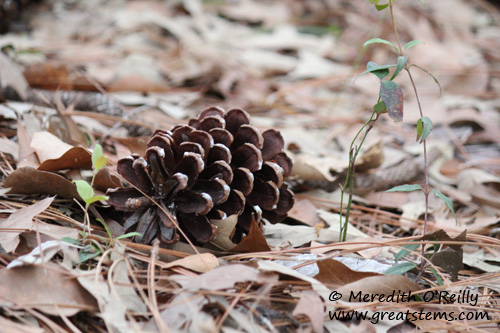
(74, 74)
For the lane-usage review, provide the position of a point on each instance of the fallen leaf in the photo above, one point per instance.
(12, 326)
(269, 266)
(333, 273)
(311, 305)
(48, 248)
(253, 242)
(21, 220)
(104, 179)
(49, 289)
(304, 211)
(9, 147)
(201, 263)
(225, 229)
(481, 261)
(11, 76)
(116, 296)
(27, 180)
(55, 154)
(450, 260)
(226, 277)
(377, 285)
(27, 156)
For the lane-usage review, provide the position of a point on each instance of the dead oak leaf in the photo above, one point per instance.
(48, 290)
(20, 221)
(227, 276)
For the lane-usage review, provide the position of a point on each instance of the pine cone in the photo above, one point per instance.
(217, 166)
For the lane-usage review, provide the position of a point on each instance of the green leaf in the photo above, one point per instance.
(379, 71)
(380, 107)
(400, 268)
(447, 201)
(98, 159)
(381, 7)
(433, 77)
(392, 95)
(424, 128)
(399, 66)
(406, 188)
(412, 44)
(130, 234)
(84, 189)
(380, 41)
(405, 251)
(96, 198)
(71, 240)
(437, 276)
(84, 256)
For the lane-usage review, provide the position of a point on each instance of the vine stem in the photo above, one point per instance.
(350, 176)
(426, 173)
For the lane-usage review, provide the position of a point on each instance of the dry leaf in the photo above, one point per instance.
(225, 229)
(11, 76)
(12, 326)
(104, 179)
(21, 220)
(9, 147)
(253, 242)
(48, 248)
(27, 180)
(27, 156)
(317, 286)
(377, 285)
(201, 263)
(311, 305)
(304, 211)
(56, 155)
(334, 274)
(34, 286)
(226, 277)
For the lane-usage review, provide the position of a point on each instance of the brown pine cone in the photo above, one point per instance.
(217, 166)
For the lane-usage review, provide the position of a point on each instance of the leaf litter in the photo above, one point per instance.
(291, 65)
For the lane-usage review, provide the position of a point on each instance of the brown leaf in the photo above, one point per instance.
(226, 277)
(311, 305)
(136, 145)
(377, 285)
(450, 260)
(11, 76)
(201, 263)
(104, 180)
(253, 242)
(334, 273)
(55, 154)
(11, 326)
(27, 156)
(49, 75)
(22, 220)
(305, 211)
(225, 230)
(33, 286)
(27, 180)
(442, 236)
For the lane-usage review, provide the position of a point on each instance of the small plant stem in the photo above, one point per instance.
(350, 175)
(426, 174)
(400, 49)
